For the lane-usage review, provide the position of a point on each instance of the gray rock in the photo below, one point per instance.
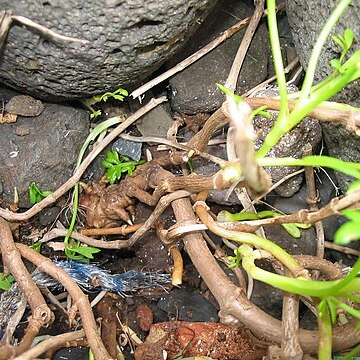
(128, 148)
(156, 122)
(128, 40)
(291, 144)
(24, 105)
(306, 17)
(194, 89)
(46, 153)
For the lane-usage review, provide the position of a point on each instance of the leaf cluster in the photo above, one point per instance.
(35, 194)
(116, 165)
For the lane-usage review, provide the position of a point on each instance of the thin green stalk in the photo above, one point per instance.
(297, 286)
(91, 137)
(325, 335)
(314, 57)
(348, 168)
(246, 238)
(278, 61)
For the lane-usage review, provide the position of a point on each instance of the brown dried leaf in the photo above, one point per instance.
(7, 118)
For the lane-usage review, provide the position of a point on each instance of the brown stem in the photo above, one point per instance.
(348, 117)
(290, 346)
(54, 341)
(243, 48)
(41, 313)
(121, 230)
(80, 299)
(196, 56)
(312, 200)
(234, 305)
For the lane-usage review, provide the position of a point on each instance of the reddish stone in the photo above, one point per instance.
(215, 340)
(144, 317)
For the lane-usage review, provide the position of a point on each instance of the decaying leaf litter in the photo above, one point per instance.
(155, 185)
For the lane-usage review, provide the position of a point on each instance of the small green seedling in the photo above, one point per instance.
(118, 94)
(36, 246)
(116, 165)
(6, 281)
(35, 194)
(76, 251)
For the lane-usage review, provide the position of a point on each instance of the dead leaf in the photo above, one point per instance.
(7, 118)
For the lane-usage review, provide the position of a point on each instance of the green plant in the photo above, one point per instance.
(35, 194)
(75, 250)
(6, 281)
(72, 247)
(292, 228)
(118, 94)
(330, 294)
(116, 165)
(309, 97)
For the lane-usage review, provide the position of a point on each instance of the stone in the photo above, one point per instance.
(127, 41)
(128, 148)
(24, 105)
(194, 89)
(156, 122)
(306, 18)
(45, 153)
(292, 144)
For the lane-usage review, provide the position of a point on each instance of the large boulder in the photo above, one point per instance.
(128, 40)
(39, 147)
(306, 18)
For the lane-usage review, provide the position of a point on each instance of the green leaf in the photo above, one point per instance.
(116, 165)
(347, 233)
(336, 64)
(87, 251)
(35, 194)
(348, 38)
(36, 246)
(322, 308)
(95, 114)
(6, 281)
(292, 230)
(352, 214)
(332, 309)
(353, 187)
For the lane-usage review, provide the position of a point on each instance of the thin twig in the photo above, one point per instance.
(163, 203)
(243, 48)
(44, 31)
(114, 244)
(196, 56)
(10, 216)
(121, 230)
(312, 200)
(343, 249)
(177, 273)
(52, 342)
(270, 80)
(153, 139)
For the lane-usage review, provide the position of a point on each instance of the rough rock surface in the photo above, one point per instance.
(128, 40)
(194, 89)
(43, 149)
(291, 144)
(306, 17)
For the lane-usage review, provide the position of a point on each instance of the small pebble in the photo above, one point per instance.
(24, 105)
